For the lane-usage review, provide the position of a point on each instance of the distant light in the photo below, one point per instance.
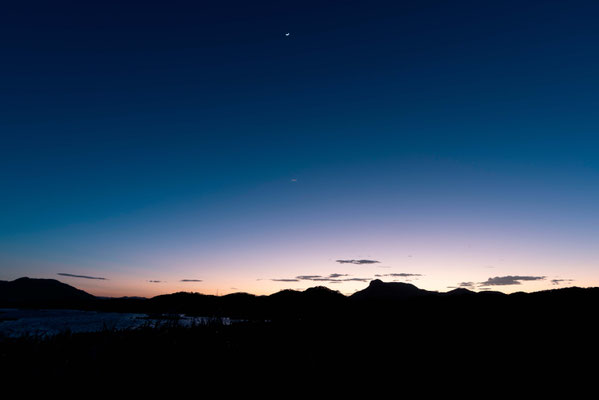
(287, 34)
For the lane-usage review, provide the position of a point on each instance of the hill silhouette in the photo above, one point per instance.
(30, 292)
(377, 298)
(378, 290)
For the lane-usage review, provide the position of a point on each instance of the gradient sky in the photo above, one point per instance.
(168, 146)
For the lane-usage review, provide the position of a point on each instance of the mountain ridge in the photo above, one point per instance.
(50, 293)
(31, 290)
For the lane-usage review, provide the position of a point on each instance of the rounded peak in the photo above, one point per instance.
(319, 289)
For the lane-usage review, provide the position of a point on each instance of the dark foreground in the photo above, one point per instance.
(417, 342)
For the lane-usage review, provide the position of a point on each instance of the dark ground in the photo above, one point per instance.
(419, 341)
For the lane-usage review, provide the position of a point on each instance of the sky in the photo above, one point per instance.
(233, 146)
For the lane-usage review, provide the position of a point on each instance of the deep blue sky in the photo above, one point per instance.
(177, 140)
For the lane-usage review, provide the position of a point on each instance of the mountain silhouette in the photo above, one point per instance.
(382, 298)
(459, 292)
(312, 295)
(29, 291)
(379, 290)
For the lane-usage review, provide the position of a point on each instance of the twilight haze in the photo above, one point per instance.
(154, 147)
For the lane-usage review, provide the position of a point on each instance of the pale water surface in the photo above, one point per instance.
(17, 322)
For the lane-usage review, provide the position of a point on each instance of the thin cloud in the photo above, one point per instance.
(81, 276)
(332, 278)
(190, 280)
(359, 262)
(155, 281)
(510, 280)
(356, 280)
(466, 285)
(398, 275)
(320, 278)
(309, 277)
(560, 281)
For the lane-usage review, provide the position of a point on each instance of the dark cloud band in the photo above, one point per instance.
(398, 275)
(82, 276)
(560, 281)
(509, 280)
(332, 278)
(359, 262)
